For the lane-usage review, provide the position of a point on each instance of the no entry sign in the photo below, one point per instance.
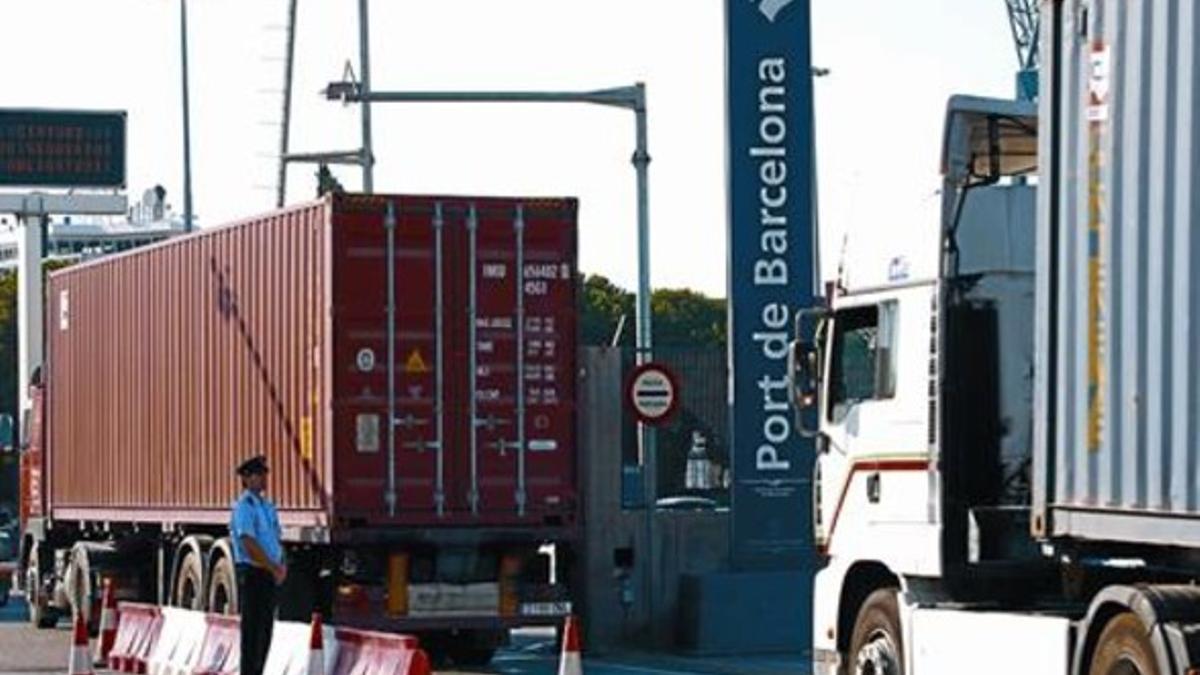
(652, 393)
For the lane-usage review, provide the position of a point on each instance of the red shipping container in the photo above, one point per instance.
(168, 365)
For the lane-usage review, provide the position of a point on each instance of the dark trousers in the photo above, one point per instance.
(257, 597)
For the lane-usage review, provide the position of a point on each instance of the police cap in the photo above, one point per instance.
(256, 464)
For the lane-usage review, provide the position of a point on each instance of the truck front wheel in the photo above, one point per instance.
(875, 645)
(1124, 648)
(41, 614)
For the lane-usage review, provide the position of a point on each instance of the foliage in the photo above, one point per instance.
(680, 317)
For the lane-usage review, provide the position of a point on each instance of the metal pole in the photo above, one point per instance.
(187, 122)
(30, 343)
(618, 97)
(389, 223)
(643, 336)
(364, 46)
(285, 128)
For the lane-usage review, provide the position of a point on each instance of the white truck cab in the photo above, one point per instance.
(877, 373)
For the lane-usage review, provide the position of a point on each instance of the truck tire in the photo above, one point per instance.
(222, 591)
(876, 647)
(1124, 648)
(189, 585)
(41, 614)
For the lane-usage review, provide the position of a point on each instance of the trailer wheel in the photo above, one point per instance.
(876, 647)
(223, 594)
(189, 586)
(41, 614)
(1124, 648)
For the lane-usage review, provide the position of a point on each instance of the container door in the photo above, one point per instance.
(363, 328)
(524, 363)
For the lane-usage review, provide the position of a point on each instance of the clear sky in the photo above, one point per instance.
(879, 114)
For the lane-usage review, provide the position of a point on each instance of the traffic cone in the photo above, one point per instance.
(81, 660)
(316, 647)
(572, 661)
(108, 624)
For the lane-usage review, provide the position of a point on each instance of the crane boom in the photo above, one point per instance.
(1023, 18)
(1025, 23)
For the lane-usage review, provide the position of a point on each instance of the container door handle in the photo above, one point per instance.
(519, 230)
(439, 493)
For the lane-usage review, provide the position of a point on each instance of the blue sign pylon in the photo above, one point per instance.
(772, 275)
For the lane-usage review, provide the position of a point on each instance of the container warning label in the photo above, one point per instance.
(415, 363)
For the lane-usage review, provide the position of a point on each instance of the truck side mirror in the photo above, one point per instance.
(8, 439)
(804, 369)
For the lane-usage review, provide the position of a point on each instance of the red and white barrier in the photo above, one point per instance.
(137, 632)
(220, 651)
(293, 649)
(370, 653)
(180, 640)
(171, 641)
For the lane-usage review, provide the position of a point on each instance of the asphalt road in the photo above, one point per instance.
(25, 651)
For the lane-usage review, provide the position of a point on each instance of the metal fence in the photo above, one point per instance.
(703, 375)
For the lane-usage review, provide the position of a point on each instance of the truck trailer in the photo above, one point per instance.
(405, 363)
(1007, 476)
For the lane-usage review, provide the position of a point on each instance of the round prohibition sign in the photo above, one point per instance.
(652, 392)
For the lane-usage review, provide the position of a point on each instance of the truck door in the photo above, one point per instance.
(860, 388)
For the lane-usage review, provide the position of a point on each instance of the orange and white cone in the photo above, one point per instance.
(571, 662)
(108, 624)
(316, 647)
(81, 658)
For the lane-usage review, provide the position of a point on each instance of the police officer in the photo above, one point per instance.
(258, 554)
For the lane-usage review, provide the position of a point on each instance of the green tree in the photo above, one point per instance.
(681, 317)
(602, 304)
(8, 342)
(9, 387)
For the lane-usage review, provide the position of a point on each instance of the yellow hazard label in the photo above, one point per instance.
(306, 438)
(415, 363)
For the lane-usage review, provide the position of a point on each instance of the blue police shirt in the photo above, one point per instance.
(255, 516)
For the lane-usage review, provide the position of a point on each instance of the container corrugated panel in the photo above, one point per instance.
(169, 365)
(1118, 410)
